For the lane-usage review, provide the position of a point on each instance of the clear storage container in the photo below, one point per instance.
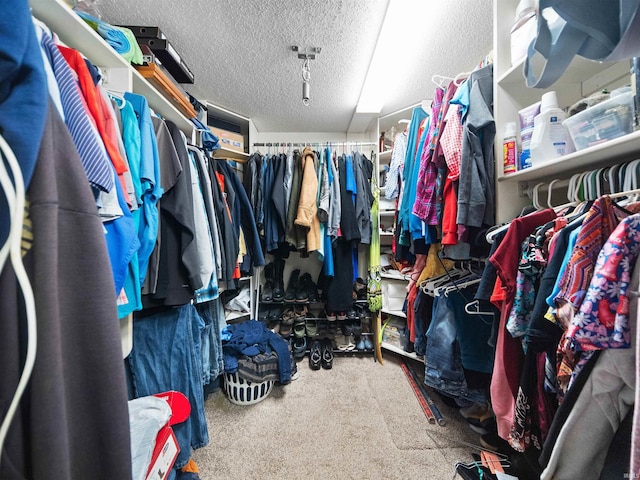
(602, 122)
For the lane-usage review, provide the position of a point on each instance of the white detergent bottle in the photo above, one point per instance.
(550, 139)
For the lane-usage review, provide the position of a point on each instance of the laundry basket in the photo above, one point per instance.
(244, 392)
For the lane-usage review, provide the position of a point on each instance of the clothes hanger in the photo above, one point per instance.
(473, 308)
(439, 80)
(460, 78)
(15, 195)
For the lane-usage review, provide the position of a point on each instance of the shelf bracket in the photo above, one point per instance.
(523, 187)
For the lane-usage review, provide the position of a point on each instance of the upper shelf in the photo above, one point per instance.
(224, 152)
(614, 150)
(74, 32)
(385, 156)
(582, 78)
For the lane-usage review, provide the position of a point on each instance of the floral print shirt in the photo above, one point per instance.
(603, 319)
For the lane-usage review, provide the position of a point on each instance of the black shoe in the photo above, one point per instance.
(327, 354)
(292, 286)
(278, 282)
(267, 291)
(315, 355)
(301, 290)
(310, 287)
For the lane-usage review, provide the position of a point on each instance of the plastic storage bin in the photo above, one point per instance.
(243, 392)
(604, 121)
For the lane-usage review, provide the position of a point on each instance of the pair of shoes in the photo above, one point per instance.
(299, 347)
(274, 314)
(312, 328)
(299, 328)
(292, 286)
(286, 324)
(327, 354)
(364, 343)
(315, 355)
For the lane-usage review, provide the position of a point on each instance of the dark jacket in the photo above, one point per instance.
(296, 236)
(76, 402)
(348, 220)
(243, 215)
(179, 272)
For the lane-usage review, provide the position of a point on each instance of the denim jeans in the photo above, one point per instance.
(166, 356)
(212, 357)
(443, 359)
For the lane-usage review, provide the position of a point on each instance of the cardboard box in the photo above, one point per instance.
(230, 140)
(164, 454)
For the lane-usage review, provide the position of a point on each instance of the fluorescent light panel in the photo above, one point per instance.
(401, 30)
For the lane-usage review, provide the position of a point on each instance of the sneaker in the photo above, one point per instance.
(475, 411)
(491, 441)
(327, 354)
(315, 355)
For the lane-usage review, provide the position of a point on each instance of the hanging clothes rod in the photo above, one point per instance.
(298, 144)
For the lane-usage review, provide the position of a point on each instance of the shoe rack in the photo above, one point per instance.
(296, 311)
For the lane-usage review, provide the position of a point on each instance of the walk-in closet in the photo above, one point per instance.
(352, 239)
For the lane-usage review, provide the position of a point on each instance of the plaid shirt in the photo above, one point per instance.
(424, 205)
(451, 141)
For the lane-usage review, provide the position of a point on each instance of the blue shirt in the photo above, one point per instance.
(149, 180)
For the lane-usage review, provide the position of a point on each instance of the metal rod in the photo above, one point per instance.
(299, 144)
(423, 389)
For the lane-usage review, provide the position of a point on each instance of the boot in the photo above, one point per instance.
(267, 290)
(292, 286)
(301, 291)
(310, 287)
(278, 282)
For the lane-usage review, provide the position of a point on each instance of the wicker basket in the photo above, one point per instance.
(244, 392)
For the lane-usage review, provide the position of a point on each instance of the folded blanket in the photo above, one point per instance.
(121, 39)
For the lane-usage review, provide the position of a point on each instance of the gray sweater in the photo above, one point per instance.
(476, 188)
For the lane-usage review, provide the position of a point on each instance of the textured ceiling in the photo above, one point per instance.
(240, 53)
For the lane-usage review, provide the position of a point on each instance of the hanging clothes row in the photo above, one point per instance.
(441, 172)
(125, 218)
(565, 349)
(314, 201)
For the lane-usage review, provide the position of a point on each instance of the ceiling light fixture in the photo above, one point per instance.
(398, 42)
(309, 54)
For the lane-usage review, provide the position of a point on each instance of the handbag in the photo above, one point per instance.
(600, 30)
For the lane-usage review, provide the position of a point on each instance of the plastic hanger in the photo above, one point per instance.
(473, 308)
(15, 195)
(439, 80)
(550, 191)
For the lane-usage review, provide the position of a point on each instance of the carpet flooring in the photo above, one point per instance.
(359, 420)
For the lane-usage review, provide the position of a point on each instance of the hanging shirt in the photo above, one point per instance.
(603, 319)
(392, 188)
(424, 205)
(92, 153)
(150, 181)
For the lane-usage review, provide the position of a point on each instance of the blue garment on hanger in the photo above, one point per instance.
(149, 179)
(122, 241)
